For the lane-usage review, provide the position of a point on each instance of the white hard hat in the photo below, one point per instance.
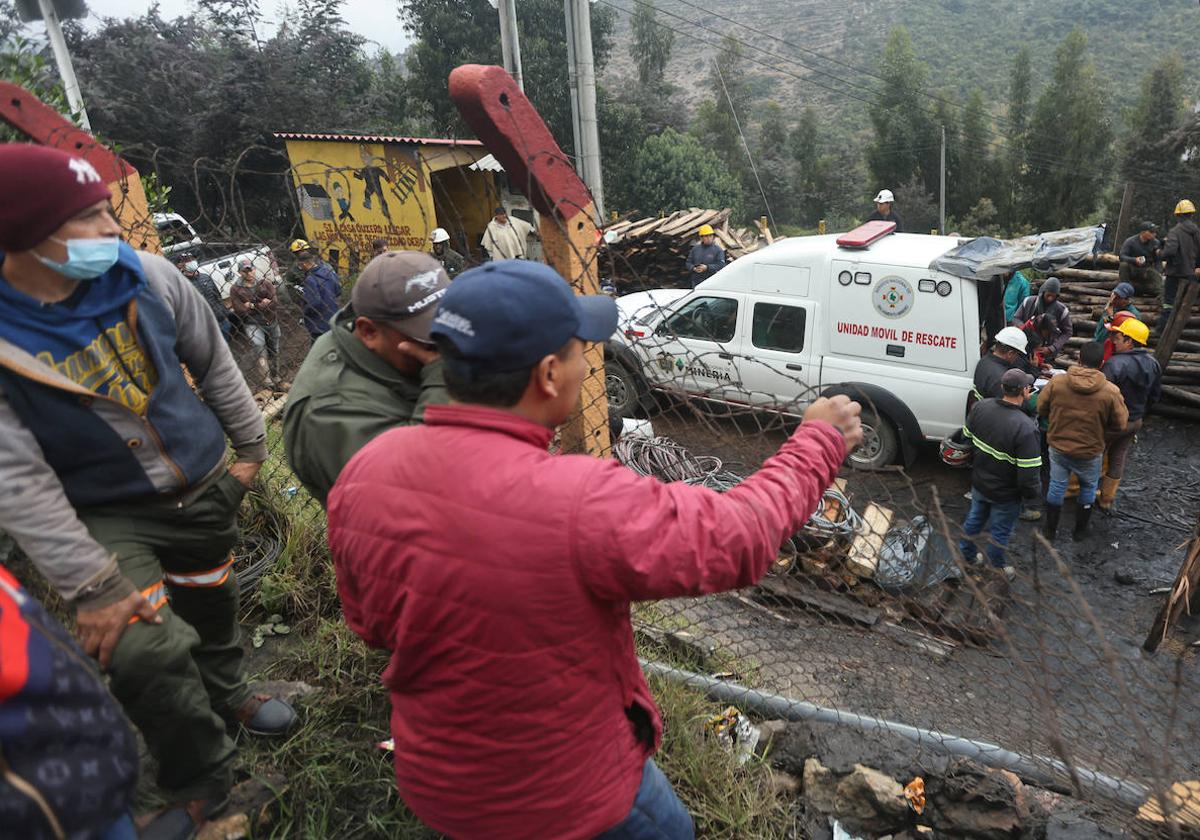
(885, 197)
(1014, 338)
(439, 235)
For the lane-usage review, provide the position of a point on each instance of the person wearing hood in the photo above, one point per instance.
(207, 288)
(375, 370)
(1083, 409)
(118, 489)
(1046, 302)
(1181, 258)
(321, 288)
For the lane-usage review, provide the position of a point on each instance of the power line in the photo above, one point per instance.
(745, 145)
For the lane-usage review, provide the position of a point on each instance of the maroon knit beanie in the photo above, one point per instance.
(40, 189)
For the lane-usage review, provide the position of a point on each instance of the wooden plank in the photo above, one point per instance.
(940, 648)
(796, 593)
(1175, 329)
(1181, 595)
(863, 557)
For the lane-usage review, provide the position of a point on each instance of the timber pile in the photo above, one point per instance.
(1085, 291)
(650, 253)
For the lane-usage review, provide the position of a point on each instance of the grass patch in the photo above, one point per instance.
(341, 784)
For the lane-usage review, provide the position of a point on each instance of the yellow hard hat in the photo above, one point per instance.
(1184, 206)
(707, 230)
(299, 245)
(1133, 328)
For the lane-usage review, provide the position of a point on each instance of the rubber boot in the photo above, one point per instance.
(1083, 514)
(1053, 514)
(1107, 494)
(1072, 486)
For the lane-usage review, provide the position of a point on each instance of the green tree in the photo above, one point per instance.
(448, 33)
(975, 178)
(651, 45)
(1154, 167)
(673, 170)
(1070, 140)
(1011, 200)
(717, 119)
(904, 142)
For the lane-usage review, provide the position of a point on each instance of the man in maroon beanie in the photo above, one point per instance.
(116, 484)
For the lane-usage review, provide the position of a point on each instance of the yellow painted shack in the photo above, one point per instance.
(352, 189)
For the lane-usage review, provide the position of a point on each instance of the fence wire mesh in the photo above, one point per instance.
(871, 617)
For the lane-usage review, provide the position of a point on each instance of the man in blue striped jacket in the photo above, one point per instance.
(1006, 470)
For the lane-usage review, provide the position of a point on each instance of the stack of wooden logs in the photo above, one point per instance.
(1086, 289)
(651, 253)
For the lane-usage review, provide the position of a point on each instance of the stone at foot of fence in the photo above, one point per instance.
(871, 802)
(981, 803)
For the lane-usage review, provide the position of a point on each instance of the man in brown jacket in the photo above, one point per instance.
(253, 300)
(1083, 407)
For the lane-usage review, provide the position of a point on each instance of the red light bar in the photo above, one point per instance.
(863, 235)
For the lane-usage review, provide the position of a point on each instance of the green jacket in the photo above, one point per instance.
(1102, 331)
(343, 396)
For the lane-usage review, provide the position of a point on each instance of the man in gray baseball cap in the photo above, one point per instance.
(375, 369)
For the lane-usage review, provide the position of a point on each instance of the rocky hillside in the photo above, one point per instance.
(967, 43)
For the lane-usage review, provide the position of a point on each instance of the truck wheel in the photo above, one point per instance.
(622, 389)
(880, 444)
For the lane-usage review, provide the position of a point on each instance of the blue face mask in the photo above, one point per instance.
(87, 259)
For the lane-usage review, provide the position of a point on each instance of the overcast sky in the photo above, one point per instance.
(375, 20)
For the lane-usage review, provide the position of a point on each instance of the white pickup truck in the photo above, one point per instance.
(219, 260)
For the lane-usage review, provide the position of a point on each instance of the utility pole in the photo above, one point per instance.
(47, 11)
(942, 206)
(510, 42)
(573, 85)
(579, 23)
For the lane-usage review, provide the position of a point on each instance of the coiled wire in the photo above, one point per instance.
(664, 459)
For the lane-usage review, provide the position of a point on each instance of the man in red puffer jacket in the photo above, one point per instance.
(500, 576)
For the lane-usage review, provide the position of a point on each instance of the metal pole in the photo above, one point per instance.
(1127, 793)
(510, 40)
(589, 132)
(942, 209)
(63, 59)
(573, 85)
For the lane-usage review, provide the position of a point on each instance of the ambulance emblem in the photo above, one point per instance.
(893, 297)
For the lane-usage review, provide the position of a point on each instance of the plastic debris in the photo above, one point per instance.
(387, 746)
(274, 626)
(734, 731)
(290, 491)
(914, 792)
(840, 833)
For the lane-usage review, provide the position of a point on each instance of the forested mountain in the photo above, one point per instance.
(828, 51)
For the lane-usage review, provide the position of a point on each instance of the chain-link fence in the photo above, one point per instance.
(872, 620)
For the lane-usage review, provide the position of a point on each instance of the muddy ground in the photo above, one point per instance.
(1065, 675)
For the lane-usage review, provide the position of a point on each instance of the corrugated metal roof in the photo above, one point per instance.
(374, 138)
(487, 163)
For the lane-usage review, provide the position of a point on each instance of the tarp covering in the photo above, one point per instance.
(983, 258)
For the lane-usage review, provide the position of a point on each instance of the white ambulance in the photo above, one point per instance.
(859, 314)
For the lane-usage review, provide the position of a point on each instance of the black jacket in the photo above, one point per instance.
(876, 216)
(1008, 452)
(1139, 377)
(987, 378)
(1182, 249)
(1134, 247)
(1057, 312)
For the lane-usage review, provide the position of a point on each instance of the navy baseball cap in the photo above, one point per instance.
(507, 315)
(1124, 291)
